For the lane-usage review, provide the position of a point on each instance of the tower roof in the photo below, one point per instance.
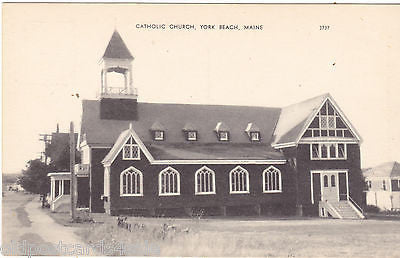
(116, 48)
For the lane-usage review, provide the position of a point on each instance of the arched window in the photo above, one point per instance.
(326, 181)
(169, 182)
(205, 181)
(333, 180)
(239, 180)
(272, 180)
(131, 182)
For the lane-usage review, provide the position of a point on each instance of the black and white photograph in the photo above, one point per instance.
(200, 130)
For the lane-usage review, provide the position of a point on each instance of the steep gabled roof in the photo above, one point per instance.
(174, 117)
(277, 126)
(103, 132)
(294, 120)
(119, 143)
(388, 169)
(116, 48)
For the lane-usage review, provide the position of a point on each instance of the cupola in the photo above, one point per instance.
(118, 97)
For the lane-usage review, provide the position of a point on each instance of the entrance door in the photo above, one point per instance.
(329, 186)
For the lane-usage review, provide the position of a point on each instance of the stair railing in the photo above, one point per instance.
(355, 204)
(333, 209)
(358, 209)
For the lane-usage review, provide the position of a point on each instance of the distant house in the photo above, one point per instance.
(58, 150)
(383, 186)
(156, 157)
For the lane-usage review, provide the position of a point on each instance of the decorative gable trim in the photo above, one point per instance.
(119, 144)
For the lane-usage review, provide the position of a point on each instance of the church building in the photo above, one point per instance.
(166, 159)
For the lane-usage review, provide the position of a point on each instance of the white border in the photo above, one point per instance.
(247, 180)
(178, 183)
(196, 192)
(121, 184)
(280, 180)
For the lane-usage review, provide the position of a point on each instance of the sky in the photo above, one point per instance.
(52, 51)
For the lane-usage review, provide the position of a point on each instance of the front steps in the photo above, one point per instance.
(340, 210)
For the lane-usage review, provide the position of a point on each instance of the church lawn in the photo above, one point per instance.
(240, 236)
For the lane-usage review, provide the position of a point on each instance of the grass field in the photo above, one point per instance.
(249, 237)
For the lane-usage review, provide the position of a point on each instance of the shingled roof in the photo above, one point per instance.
(116, 48)
(174, 117)
(293, 119)
(388, 169)
(276, 125)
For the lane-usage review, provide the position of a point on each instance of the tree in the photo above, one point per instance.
(34, 178)
(58, 151)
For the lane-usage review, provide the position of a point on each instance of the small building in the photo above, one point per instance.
(60, 199)
(383, 186)
(156, 158)
(58, 150)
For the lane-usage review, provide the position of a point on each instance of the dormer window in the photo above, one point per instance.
(192, 136)
(190, 132)
(159, 135)
(222, 131)
(255, 136)
(253, 131)
(157, 131)
(223, 136)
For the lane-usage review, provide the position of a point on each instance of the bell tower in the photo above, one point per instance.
(118, 97)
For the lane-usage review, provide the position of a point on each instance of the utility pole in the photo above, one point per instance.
(71, 168)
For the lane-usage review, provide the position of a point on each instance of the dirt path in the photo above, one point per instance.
(28, 230)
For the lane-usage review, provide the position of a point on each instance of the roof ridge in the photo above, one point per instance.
(325, 95)
(195, 104)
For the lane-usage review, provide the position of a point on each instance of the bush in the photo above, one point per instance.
(371, 209)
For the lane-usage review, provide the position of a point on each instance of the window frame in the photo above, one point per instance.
(196, 190)
(121, 188)
(131, 145)
(328, 146)
(159, 138)
(194, 138)
(255, 139)
(276, 170)
(369, 184)
(247, 181)
(384, 187)
(178, 178)
(223, 139)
